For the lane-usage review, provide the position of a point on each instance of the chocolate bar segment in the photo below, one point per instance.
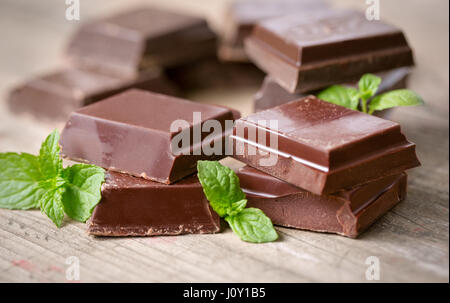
(241, 17)
(139, 39)
(347, 212)
(137, 207)
(132, 132)
(271, 94)
(322, 147)
(304, 52)
(55, 95)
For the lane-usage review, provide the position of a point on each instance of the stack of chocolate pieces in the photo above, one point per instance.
(311, 164)
(241, 17)
(318, 166)
(110, 55)
(150, 189)
(311, 48)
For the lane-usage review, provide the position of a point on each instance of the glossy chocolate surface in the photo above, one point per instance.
(307, 51)
(322, 147)
(141, 38)
(347, 212)
(133, 206)
(55, 95)
(271, 94)
(241, 17)
(130, 132)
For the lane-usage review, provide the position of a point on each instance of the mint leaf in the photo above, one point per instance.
(49, 160)
(238, 207)
(51, 204)
(399, 97)
(341, 95)
(19, 181)
(221, 187)
(368, 85)
(82, 190)
(28, 181)
(252, 225)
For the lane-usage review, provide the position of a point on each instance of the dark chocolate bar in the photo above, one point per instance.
(308, 51)
(241, 16)
(139, 39)
(346, 212)
(133, 206)
(322, 147)
(131, 132)
(271, 94)
(55, 95)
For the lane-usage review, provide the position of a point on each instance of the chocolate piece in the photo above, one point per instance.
(131, 132)
(141, 38)
(54, 96)
(322, 147)
(241, 16)
(212, 73)
(272, 94)
(304, 52)
(347, 212)
(136, 207)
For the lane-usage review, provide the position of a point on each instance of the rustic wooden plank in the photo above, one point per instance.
(411, 241)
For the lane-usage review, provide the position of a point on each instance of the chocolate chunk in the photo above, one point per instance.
(131, 132)
(271, 94)
(141, 38)
(137, 207)
(322, 147)
(346, 212)
(55, 95)
(307, 51)
(241, 16)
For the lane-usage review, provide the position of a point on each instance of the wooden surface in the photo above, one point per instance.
(411, 241)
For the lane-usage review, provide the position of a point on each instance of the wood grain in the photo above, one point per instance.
(411, 241)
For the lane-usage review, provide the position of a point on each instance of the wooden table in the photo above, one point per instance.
(411, 241)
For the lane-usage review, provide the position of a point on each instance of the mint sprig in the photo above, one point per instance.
(399, 97)
(28, 181)
(221, 187)
(341, 95)
(363, 98)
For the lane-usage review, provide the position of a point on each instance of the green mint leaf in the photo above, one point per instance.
(221, 187)
(82, 190)
(28, 181)
(19, 181)
(49, 159)
(368, 85)
(238, 207)
(252, 225)
(51, 201)
(399, 97)
(340, 95)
